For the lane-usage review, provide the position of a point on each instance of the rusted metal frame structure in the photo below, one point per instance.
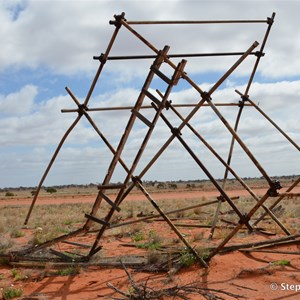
(82, 110)
(123, 194)
(126, 133)
(273, 186)
(153, 70)
(259, 54)
(161, 106)
(91, 218)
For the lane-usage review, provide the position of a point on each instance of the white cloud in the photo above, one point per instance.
(19, 103)
(85, 158)
(62, 36)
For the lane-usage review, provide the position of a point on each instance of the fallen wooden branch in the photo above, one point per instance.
(140, 291)
(269, 243)
(271, 251)
(134, 261)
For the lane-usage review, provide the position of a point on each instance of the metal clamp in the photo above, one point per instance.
(244, 219)
(101, 58)
(118, 19)
(272, 192)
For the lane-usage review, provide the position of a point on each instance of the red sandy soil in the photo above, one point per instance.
(178, 194)
(249, 275)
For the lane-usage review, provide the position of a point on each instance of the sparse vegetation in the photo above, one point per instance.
(138, 236)
(16, 233)
(187, 259)
(153, 241)
(17, 275)
(9, 194)
(51, 190)
(6, 243)
(282, 262)
(11, 292)
(70, 271)
(63, 218)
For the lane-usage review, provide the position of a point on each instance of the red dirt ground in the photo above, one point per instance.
(252, 275)
(180, 194)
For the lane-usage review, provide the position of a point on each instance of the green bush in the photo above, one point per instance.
(187, 259)
(51, 190)
(69, 271)
(11, 292)
(9, 194)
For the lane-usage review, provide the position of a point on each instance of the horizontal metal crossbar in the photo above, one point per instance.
(178, 55)
(102, 222)
(67, 110)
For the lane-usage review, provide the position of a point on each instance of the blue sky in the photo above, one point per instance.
(48, 45)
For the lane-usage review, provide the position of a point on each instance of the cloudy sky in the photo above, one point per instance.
(48, 45)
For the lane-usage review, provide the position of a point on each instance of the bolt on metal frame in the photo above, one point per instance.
(158, 105)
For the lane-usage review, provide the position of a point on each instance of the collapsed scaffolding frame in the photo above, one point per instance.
(160, 103)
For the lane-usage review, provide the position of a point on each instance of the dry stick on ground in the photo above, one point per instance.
(142, 291)
(269, 243)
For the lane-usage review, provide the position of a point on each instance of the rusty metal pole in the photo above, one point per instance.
(179, 55)
(49, 167)
(192, 113)
(104, 58)
(116, 108)
(270, 22)
(195, 22)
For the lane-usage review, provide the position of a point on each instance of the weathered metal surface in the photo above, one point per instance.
(132, 180)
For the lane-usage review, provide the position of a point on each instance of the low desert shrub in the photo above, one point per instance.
(187, 259)
(69, 271)
(282, 262)
(11, 292)
(9, 194)
(5, 244)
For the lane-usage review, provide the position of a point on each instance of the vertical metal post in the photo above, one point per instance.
(216, 215)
